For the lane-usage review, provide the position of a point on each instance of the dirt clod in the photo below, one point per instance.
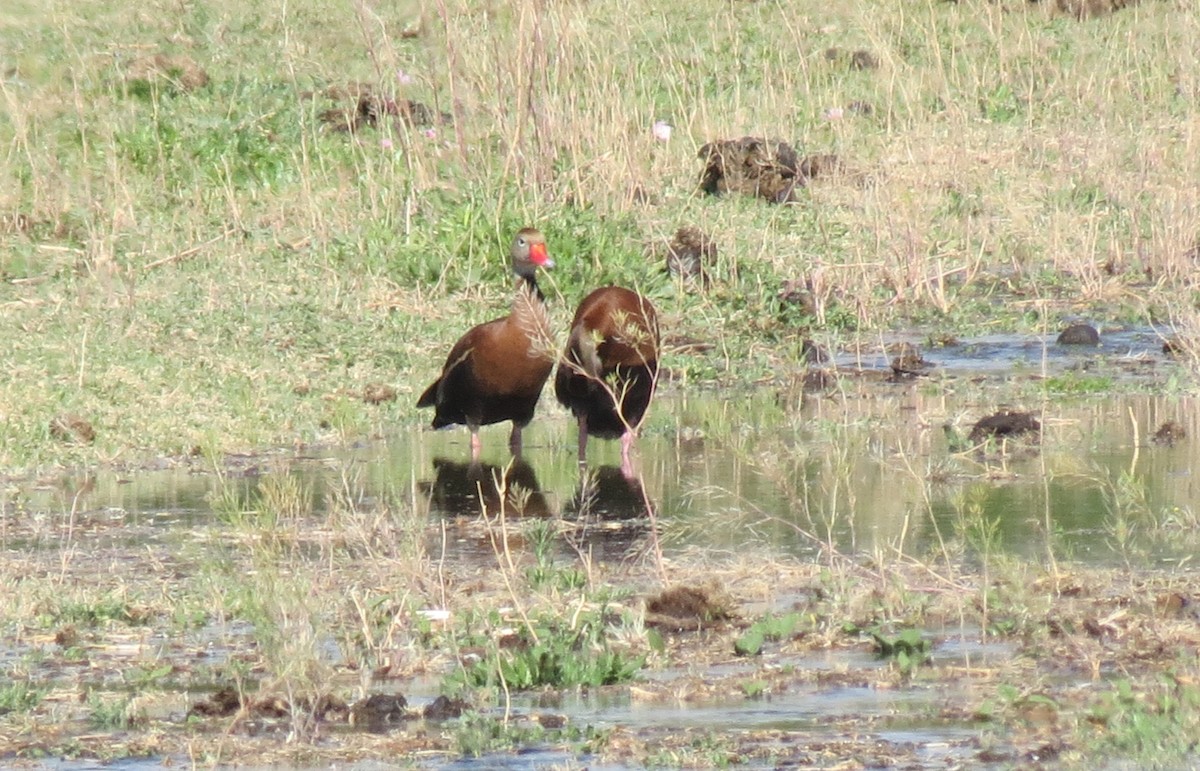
(908, 361)
(379, 710)
(359, 105)
(378, 393)
(858, 59)
(1004, 423)
(689, 252)
(72, 428)
(764, 168)
(798, 292)
(223, 703)
(444, 708)
(1079, 334)
(685, 608)
(1169, 433)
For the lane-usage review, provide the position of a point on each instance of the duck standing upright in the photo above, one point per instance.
(495, 372)
(609, 370)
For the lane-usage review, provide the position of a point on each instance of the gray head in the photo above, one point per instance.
(529, 253)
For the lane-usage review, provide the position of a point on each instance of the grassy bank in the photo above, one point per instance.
(195, 261)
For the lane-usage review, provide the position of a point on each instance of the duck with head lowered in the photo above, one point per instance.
(495, 372)
(608, 373)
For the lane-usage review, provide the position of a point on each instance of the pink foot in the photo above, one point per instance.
(626, 444)
(476, 446)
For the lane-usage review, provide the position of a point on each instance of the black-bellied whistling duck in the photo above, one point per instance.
(495, 372)
(609, 370)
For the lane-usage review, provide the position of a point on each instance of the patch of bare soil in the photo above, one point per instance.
(763, 168)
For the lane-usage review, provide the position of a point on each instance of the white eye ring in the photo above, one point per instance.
(520, 240)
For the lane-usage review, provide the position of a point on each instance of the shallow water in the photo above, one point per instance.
(864, 467)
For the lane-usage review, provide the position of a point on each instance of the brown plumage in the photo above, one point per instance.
(609, 370)
(495, 372)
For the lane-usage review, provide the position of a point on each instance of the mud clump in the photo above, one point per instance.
(763, 168)
(378, 711)
(1004, 424)
(1079, 334)
(360, 106)
(177, 72)
(908, 361)
(858, 59)
(1168, 434)
(798, 294)
(378, 393)
(444, 708)
(223, 703)
(689, 253)
(685, 608)
(72, 428)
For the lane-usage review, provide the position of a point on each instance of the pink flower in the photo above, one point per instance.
(385, 143)
(834, 113)
(661, 131)
(404, 78)
(430, 133)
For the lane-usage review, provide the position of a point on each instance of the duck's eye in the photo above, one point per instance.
(520, 240)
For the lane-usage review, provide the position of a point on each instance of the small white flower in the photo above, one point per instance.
(662, 131)
(834, 113)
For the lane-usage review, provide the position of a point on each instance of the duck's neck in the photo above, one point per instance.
(530, 285)
(529, 310)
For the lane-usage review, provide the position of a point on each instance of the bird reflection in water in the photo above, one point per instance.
(611, 510)
(468, 489)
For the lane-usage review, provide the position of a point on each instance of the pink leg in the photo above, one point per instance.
(514, 441)
(626, 444)
(476, 445)
(583, 441)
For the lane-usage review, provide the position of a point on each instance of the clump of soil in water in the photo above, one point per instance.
(227, 701)
(177, 71)
(223, 703)
(1169, 433)
(1172, 346)
(908, 361)
(765, 168)
(444, 708)
(689, 252)
(360, 105)
(379, 710)
(685, 608)
(1003, 424)
(1079, 334)
(378, 393)
(72, 428)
